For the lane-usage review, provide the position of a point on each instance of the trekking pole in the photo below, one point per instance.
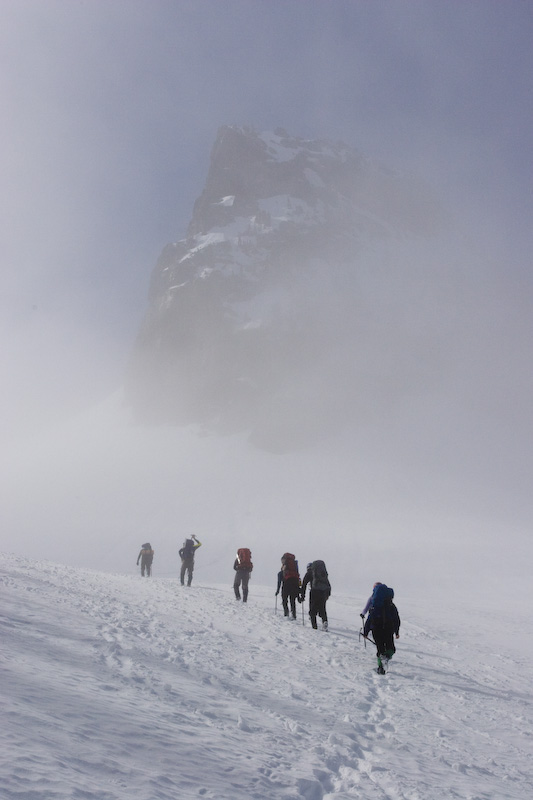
(276, 606)
(303, 620)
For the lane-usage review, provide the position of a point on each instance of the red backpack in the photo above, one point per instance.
(289, 566)
(244, 557)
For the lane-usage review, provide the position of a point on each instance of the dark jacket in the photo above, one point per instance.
(146, 554)
(291, 586)
(388, 618)
(308, 579)
(188, 553)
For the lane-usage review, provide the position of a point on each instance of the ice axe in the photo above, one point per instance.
(366, 638)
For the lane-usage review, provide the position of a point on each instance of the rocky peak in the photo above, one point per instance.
(241, 309)
(249, 167)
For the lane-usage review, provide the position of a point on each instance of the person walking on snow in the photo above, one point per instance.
(368, 604)
(243, 569)
(289, 582)
(146, 556)
(319, 591)
(187, 553)
(384, 622)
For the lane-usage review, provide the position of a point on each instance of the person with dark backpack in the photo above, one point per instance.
(187, 553)
(243, 569)
(384, 622)
(289, 582)
(146, 556)
(319, 591)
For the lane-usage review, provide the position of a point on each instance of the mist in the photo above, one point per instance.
(110, 113)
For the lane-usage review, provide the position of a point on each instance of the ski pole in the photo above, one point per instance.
(303, 619)
(276, 605)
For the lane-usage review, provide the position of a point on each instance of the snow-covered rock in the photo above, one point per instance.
(264, 300)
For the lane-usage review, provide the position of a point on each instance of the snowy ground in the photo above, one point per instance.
(117, 688)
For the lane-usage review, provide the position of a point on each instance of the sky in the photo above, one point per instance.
(110, 110)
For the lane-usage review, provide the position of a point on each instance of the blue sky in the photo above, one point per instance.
(110, 108)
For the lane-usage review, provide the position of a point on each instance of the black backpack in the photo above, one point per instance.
(319, 577)
(188, 547)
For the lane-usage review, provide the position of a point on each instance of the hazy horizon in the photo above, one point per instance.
(111, 110)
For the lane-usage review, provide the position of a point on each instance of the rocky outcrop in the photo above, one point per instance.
(251, 317)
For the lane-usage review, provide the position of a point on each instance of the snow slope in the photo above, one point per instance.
(115, 688)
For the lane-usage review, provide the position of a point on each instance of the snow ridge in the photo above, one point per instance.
(117, 687)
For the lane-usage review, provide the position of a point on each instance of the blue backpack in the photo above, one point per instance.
(382, 598)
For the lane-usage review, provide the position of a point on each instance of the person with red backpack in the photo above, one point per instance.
(289, 582)
(384, 622)
(243, 569)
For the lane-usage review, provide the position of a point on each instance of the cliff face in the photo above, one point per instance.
(253, 317)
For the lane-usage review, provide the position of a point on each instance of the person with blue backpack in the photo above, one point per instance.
(384, 622)
(368, 604)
